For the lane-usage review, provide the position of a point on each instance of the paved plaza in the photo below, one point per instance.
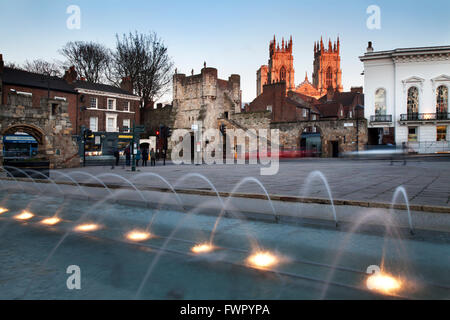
(427, 181)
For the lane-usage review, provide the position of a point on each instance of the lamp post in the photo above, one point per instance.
(133, 166)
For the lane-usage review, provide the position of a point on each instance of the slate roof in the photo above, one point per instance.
(100, 87)
(35, 80)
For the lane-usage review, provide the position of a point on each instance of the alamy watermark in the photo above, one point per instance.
(373, 22)
(74, 280)
(212, 146)
(73, 22)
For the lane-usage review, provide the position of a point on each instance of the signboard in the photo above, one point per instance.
(194, 127)
(139, 129)
(121, 136)
(348, 124)
(19, 139)
(97, 140)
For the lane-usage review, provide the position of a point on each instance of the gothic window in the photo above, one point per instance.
(329, 77)
(413, 102)
(380, 102)
(442, 101)
(283, 74)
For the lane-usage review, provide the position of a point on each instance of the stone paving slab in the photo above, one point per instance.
(426, 181)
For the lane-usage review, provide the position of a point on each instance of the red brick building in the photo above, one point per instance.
(36, 86)
(104, 108)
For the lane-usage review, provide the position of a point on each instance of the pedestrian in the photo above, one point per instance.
(138, 157)
(117, 156)
(127, 156)
(152, 158)
(144, 157)
(405, 152)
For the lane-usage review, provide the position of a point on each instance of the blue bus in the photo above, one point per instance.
(19, 146)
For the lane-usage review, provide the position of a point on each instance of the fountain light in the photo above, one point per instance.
(137, 235)
(202, 248)
(87, 227)
(384, 283)
(51, 221)
(24, 215)
(3, 210)
(262, 259)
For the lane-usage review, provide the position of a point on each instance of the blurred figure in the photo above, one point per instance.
(144, 157)
(117, 155)
(152, 158)
(138, 157)
(405, 152)
(127, 156)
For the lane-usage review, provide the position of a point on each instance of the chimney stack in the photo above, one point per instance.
(126, 85)
(369, 47)
(70, 76)
(330, 94)
(2, 64)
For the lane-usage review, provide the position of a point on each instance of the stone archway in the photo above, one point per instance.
(34, 131)
(49, 125)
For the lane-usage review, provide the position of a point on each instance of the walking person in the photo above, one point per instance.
(138, 157)
(152, 158)
(405, 152)
(127, 156)
(117, 156)
(144, 157)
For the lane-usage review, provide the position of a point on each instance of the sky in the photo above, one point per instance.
(232, 36)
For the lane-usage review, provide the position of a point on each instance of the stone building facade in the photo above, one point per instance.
(204, 97)
(49, 124)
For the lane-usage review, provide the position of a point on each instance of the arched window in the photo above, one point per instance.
(413, 103)
(442, 102)
(329, 78)
(283, 74)
(380, 102)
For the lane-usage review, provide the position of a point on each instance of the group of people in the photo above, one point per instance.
(140, 155)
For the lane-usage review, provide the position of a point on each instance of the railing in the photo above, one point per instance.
(381, 118)
(429, 146)
(424, 116)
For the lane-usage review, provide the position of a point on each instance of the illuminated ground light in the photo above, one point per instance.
(202, 248)
(136, 235)
(24, 215)
(87, 227)
(262, 259)
(3, 210)
(384, 283)
(51, 221)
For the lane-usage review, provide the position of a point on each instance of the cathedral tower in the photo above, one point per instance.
(280, 68)
(327, 67)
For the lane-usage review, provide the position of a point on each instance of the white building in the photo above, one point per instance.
(406, 97)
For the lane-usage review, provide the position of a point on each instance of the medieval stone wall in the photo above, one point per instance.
(49, 124)
(342, 131)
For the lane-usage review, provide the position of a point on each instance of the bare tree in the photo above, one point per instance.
(143, 58)
(90, 59)
(43, 67)
(12, 65)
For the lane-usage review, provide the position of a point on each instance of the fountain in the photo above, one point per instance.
(140, 252)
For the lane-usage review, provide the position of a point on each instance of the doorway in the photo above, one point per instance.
(334, 149)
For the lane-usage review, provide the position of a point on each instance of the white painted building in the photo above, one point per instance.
(406, 97)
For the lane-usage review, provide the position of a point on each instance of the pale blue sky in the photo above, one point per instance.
(232, 36)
